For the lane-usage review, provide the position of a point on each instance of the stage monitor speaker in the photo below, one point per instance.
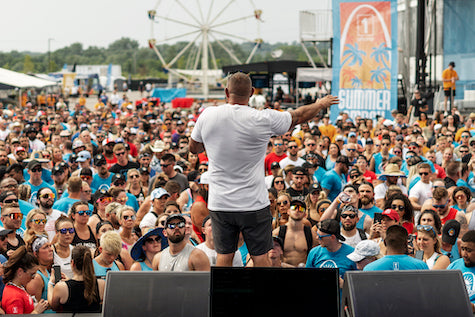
(157, 294)
(274, 292)
(405, 293)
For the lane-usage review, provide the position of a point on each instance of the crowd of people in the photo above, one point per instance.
(116, 187)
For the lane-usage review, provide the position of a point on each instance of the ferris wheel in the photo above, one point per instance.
(202, 26)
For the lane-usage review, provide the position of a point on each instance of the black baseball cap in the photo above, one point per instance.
(450, 232)
(174, 216)
(331, 226)
(99, 158)
(275, 165)
(118, 177)
(32, 164)
(58, 169)
(299, 170)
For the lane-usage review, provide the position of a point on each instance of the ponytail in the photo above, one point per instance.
(83, 262)
(20, 259)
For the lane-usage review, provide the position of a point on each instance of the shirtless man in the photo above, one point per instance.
(180, 255)
(298, 239)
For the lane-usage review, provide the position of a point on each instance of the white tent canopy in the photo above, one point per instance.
(308, 74)
(19, 80)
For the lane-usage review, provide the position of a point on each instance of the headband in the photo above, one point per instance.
(38, 243)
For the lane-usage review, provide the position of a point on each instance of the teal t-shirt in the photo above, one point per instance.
(398, 262)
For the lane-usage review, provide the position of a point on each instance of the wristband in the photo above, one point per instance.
(51, 283)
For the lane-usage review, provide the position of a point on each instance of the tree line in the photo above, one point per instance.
(142, 62)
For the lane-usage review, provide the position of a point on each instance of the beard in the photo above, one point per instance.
(47, 204)
(176, 239)
(468, 263)
(366, 201)
(349, 227)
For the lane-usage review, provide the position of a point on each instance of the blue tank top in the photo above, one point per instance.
(360, 224)
(44, 294)
(145, 267)
(187, 207)
(101, 271)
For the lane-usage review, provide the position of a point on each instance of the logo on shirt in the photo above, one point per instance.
(469, 278)
(396, 266)
(328, 264)
(33, 198)
(104, 186)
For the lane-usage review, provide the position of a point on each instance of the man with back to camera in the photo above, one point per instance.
(396, 258)
(467, 264)
(238, 198)
(449, 77)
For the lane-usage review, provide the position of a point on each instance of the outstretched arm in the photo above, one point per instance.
(306, 113)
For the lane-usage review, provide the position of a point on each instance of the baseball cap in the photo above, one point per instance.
(65, 133)
(57, 170)
(107, 141)
(331, 226)
(275, 165)
(438, 125)
(83, 156)
(118, 177)
(351, 134)
(363, 249)
(450, 231)
(299, 170)
(15, 140)
(159, 193)
(279, 241)
(391, 213)
(144, 170)
(388, 123)
(400, 137)
(77, 144)
(32, 164)
(414, 144)
(369, 141)
(99, 158)
(85, 172)
(174, 216)
(73, 157)
(339, 138)
(314, 188)
(19, 149)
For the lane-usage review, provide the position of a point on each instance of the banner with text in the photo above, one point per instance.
(364, 58)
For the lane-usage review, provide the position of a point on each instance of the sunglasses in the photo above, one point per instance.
(134, 176)
(48, 195)
(129, 217)
(15, 216)
(283, 203)
(119, 183)
(179, 225)
(385, 144)
(278, 182)
(119, 153)
(351, 150)
(351, 216)
(397, 152)
(355, 176)
(39, 221)
(66, 230)
(423, 173)
(292, 147)
(37, 169)
(202, 170)
(297, 208)
(278, 144)
(85, 177)
(84, 212)
(9, 201)
(396, 207)
(440, 206)
(426, 228)
(104, 200)
(311, 144)
(323, 236)
(150, 240)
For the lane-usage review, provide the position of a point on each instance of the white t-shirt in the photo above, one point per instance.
(212, 255)
(353, 240)
(421, 191)
(148, 220)
(236, 138)
(50, 220)
(381, 189)
(286, 161)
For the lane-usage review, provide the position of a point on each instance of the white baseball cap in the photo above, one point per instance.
(363, 249)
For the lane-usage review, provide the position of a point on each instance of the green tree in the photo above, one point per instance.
(28, 65)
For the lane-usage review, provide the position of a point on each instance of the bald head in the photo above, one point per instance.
(239, 87)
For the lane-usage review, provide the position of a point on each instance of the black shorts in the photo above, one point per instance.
(447, 92)
(256, 227)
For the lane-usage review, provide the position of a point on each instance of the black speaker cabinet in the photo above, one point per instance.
(405, 293)
(171, 294)
(288, 292)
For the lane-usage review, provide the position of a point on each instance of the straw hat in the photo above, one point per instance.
(393, 170)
